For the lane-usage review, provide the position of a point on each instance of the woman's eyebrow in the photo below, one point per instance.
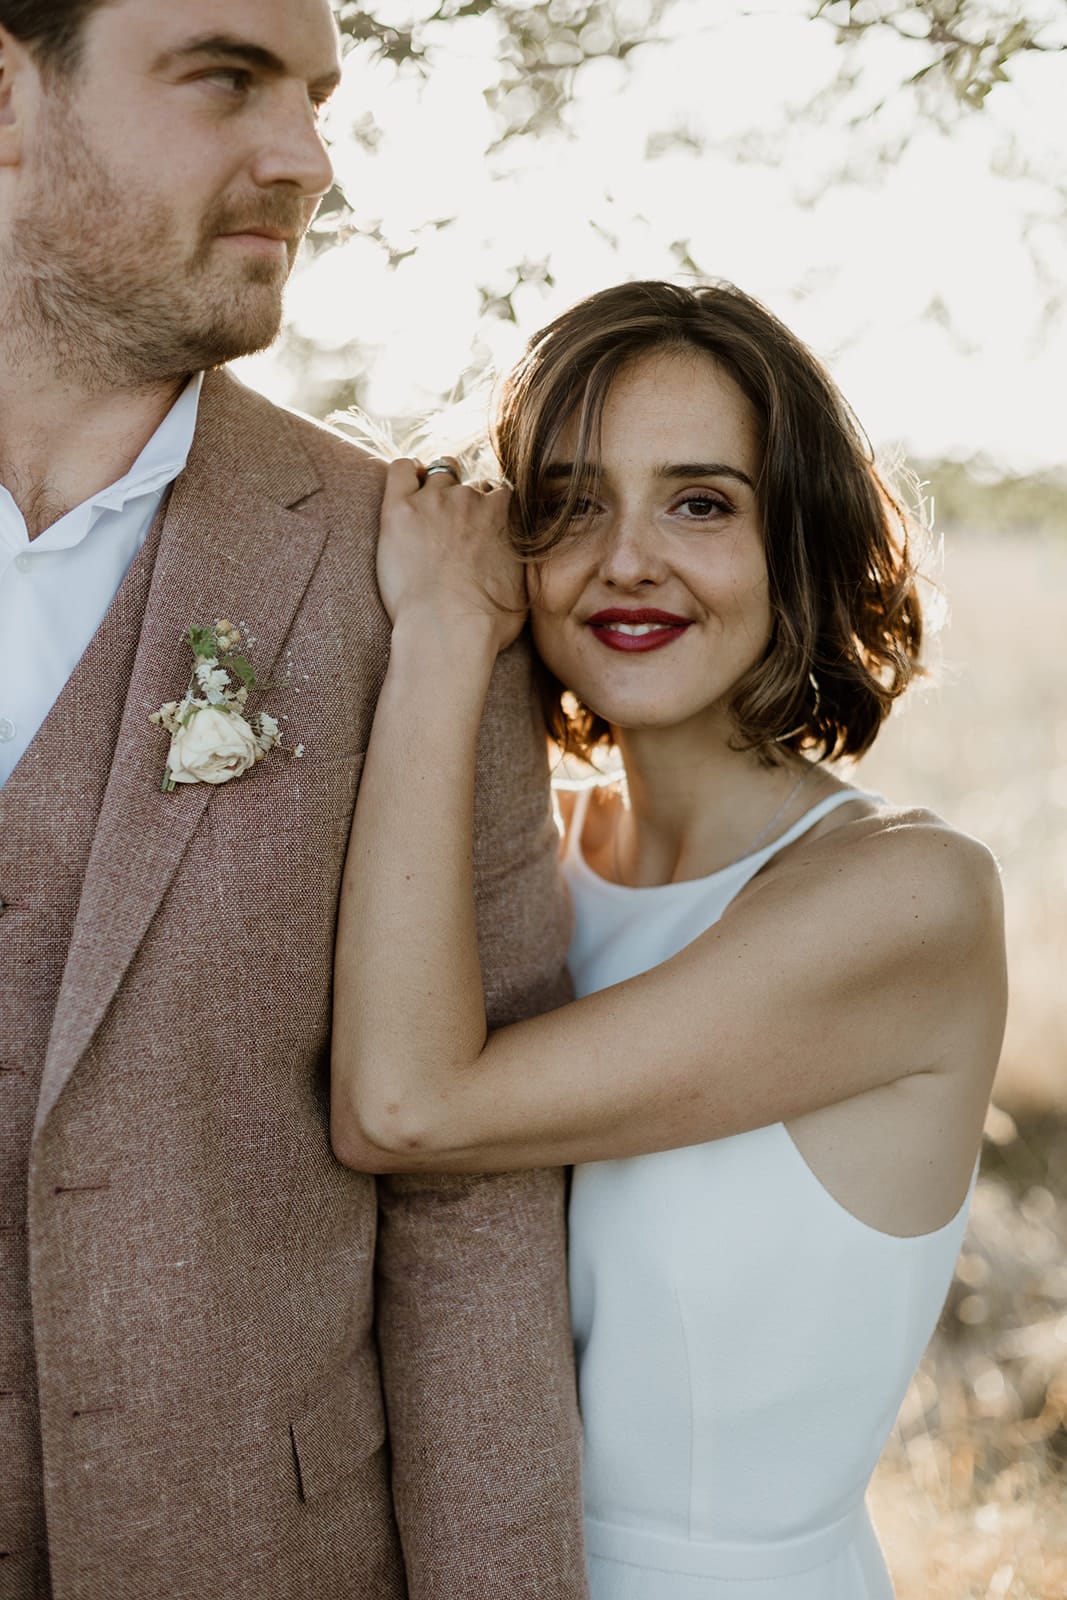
(670, 469)
(703, 469)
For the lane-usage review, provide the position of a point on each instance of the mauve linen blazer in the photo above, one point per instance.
(261, 1375)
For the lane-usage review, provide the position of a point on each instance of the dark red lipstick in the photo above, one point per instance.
(636, 629)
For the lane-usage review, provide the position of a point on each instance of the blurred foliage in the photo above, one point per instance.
(978, 497)
(963, 50)
(541, 45)
(957, 54)
(970, 44)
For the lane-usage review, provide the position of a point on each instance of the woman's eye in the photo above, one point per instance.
(552, 510)
(701, 507)
(583, 508)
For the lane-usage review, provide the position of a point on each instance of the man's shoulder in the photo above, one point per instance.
(344, 468)
(336, 456)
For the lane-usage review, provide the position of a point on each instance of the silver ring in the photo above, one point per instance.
(441, 466)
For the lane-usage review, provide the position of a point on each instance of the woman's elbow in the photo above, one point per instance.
(377, 1143)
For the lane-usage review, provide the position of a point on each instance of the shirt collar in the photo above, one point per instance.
(163, 457)
(159, 463)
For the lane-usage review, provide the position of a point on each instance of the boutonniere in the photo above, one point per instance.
(211, 739)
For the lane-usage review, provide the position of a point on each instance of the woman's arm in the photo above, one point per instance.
(872, 954)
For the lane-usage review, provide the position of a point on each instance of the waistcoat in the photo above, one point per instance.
(48, 813)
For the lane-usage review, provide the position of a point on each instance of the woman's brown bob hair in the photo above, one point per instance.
(847, 621)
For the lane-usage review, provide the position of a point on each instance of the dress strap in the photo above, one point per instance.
(822, 808)
(572, 850)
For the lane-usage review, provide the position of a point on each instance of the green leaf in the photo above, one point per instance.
(243, 668)
(202, 642)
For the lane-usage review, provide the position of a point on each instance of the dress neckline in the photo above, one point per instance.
(741, 870)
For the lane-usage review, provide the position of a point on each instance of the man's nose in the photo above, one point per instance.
(293, 151)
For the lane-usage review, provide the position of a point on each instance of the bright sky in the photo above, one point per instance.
(922, 281)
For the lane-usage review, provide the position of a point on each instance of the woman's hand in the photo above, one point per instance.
(443, 554)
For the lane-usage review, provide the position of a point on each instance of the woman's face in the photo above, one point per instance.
(655, 603)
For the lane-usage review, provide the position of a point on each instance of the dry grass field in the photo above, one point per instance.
(971, 1495)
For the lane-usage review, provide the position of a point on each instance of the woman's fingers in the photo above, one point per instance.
(407, 475)
(443, 470)
(444, 547)
(402, 478)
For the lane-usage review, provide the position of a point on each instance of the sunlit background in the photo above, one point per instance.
(920, 248)
(890, 179)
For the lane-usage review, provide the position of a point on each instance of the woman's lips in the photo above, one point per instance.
(636, 631)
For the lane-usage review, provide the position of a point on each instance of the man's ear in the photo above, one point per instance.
(14, 64)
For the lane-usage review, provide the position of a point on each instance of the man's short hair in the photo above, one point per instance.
(52, 29)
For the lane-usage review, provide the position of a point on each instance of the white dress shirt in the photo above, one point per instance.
(55, 589)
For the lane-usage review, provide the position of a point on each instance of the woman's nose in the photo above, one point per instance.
(630, 554)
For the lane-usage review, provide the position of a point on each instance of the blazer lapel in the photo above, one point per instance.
(230, 546)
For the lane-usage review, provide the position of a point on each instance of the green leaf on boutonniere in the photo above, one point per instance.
(202, 643)
(243, 668)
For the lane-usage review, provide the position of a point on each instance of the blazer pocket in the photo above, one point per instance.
(341, 1430)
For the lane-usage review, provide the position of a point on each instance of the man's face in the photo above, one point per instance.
(168, 180)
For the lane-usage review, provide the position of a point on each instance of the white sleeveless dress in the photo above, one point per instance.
(744, 1343)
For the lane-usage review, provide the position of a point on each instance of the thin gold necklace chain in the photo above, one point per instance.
(753, 844)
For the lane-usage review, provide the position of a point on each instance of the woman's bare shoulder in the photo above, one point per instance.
(903, 833)
(914, 845)
(896, 872)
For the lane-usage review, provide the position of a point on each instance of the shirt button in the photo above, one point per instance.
(7, 730)
(23, 563)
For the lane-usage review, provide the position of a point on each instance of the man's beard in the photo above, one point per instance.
(100, 286)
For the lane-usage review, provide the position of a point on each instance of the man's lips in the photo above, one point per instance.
(260, 238)
(634, 630)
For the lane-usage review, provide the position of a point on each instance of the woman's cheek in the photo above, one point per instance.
(545, 628)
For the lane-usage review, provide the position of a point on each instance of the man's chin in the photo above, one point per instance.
(247, 315)
(232, 337)
(272, 272)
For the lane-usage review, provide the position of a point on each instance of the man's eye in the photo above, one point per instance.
(236, 79)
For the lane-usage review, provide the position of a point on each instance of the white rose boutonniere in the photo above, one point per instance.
(211, 738)
(212, 747)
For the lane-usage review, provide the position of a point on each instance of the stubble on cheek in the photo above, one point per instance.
(107, 281)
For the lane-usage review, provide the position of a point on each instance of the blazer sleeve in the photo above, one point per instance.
(472, 1319)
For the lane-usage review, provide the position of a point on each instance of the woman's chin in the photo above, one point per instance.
(643, 718)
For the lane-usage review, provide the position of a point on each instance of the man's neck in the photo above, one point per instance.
(61, 443)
